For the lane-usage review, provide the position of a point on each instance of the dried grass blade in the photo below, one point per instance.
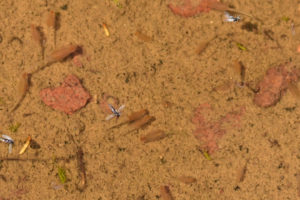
(153, 136)
(25, 145)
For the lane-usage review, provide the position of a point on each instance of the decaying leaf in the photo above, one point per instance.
(36, 34)
(142, 122)
(62, 53)
(137, 115)
(187, 179)
(241, 173)
(153, 136)
(25, 145)
(143, 36)
(165, 193)
(51, 19)
(22, 88)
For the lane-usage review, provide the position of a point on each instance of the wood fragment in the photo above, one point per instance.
(63, 52)
(241, 173)
(187, 179)
(142, 122)
(143, 36)
(165, 193)
(22, 88)
(81, 169)
(153, 136)
(25, 145)
(137, 115)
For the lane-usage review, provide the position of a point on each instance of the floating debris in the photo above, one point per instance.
(230, 18)
(8, 140)
(105, 29)
(115, 112)
(25, 145)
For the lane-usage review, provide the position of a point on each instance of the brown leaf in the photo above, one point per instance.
(143, 36)
(241, 173)
(23, 84)
(137, 115)
(62, 53)
(201, 47)
(165, 193)
(187, 179)
(143, 121)
(36, 34)
(153, 136)
(51, 19)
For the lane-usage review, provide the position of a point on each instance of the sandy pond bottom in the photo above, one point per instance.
(155, 60)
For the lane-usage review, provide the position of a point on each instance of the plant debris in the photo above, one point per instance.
(68, 98)
(187, 179)
(241, 47)
(241, 173)
(25, 145)
(81, 169)
(208, 133)
(14, 127)
(22, 89)
(147, 119)
(165, 193)
(274, 84)
(153, 136)
(62, 174)
(63, 52)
